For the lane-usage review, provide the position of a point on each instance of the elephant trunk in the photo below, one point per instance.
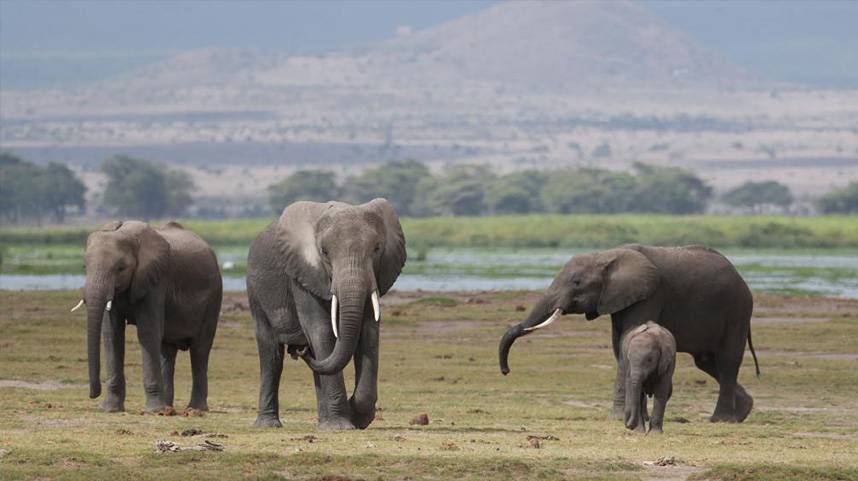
(99, 291)
(633, 402)
(542, 315)
(352, 295)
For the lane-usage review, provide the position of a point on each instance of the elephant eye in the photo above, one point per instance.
(324, 252)
(377, 247)
(121, 268)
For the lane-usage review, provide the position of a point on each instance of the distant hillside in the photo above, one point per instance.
(577, 43)
(572, 45)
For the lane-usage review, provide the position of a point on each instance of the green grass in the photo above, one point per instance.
(545, 231)
(439, 357)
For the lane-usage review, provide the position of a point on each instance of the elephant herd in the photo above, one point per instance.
(314, 279)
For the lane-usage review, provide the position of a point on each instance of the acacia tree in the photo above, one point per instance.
(588, 191)
(141, 189)
(755, 195)
(28, 191)
(669, 190)
(313, 185)
(394, 180)
(516, 193)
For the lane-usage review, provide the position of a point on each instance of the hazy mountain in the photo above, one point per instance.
(567, 45)
(68, 43)
(591, 44)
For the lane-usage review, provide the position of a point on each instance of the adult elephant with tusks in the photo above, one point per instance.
(166, 282)
(694, 292)
(314, 278)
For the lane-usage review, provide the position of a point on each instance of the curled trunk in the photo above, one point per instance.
(352, 301)
(540, 313)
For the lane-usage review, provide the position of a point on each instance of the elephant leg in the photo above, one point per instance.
(659, 403)
(366, 375)
(744, 403)
(717, 366)
(168, 369)
(113, 333)
(728, 370)
(200, 351)
(270, 370)
(619, 402)
(618, 411)
(199, 371)
(150, 335)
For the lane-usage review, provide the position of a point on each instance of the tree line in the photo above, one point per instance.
(137, 188)
(477, 190)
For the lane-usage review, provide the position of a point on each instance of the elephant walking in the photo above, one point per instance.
(649, 352)
(694, 292)
(166, 282)
(314, 278)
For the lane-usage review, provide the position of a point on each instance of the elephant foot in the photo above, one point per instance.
(169, 411)
(639, 428)
(618, 413)
(263, 421)
(655, 430)
(156, 407)
(336, 424)
(198, 406)
(112, 406)
(361, 419)
(744, 404)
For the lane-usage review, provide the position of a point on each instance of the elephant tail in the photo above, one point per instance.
(753, 353)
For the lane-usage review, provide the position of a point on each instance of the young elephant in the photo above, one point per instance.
(314, 278)
(649, 352)
(166, 282)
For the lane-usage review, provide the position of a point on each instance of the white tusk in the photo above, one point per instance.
(554, 317)
(334, 310)
(109, 305)
(376, 310)
(77, 306)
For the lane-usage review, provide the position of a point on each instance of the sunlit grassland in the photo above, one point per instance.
(439, 357)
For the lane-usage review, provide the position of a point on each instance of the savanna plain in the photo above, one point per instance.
(547, 420)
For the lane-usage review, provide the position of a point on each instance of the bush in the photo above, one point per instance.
(840, 201)
(755, 195)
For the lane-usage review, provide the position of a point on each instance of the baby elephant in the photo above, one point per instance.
(649, 352)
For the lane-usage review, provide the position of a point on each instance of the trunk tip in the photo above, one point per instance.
(94, 390)
(504, 371)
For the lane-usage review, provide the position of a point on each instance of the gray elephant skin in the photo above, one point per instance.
(649, 352)
(166, 282)
(314, 277)
(694, 292)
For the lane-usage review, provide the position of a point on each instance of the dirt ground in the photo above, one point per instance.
(547, 420)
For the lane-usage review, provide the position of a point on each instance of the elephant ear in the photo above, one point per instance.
(667, 354)
(297, 233)
(628, 277)
(394, 255)
(153, 254)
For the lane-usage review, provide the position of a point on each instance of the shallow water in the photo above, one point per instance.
(822, 273)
